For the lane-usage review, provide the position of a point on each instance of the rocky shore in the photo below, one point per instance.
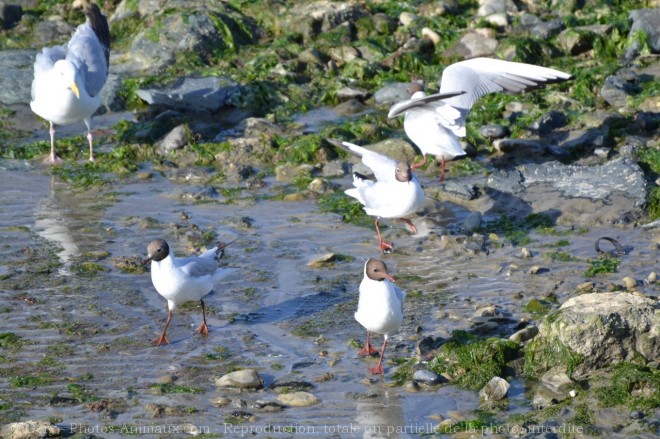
(227, 105)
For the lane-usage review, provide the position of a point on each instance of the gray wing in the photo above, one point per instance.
(90, 53)
(401, 107)
(198, 266)
(400, 294)
(383, 167)
(480, 76)
(44, 62)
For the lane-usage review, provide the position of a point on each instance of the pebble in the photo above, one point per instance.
(498, 20)
(629, 282)
(319, 186)
(652, 277)
(637, 414)
(525, 253)
(585, 287)
(473, 221)
(494, 131)
(326, 260)
(242, 379)
(290, 382)
(220, 402)
(524, 334)
(427, 377)
(536, 270)
(495, 390)
(166, 379)
(431, 35)
(487, 311)
(407, 18)
(268, 406)
(298, 399)
(602, 152)
(412, 386)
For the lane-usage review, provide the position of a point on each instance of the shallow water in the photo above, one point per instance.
(95, 330)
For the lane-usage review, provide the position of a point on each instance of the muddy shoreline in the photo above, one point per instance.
(84, 358)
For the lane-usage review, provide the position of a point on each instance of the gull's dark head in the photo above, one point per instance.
(414, 87)
(402, 172)
(375, 269)
(157, 251)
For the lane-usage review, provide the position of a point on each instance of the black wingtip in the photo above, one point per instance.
(360, 176)
(99, 25)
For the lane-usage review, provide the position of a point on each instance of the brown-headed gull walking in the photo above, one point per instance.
(380, 307)
(435, 122)
(181, 280)
(396, 193)
(68, 79)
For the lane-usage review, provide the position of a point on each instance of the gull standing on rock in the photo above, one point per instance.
(396, 193)
(380, 307)
(435, 122)
(68, 79)
(181, 280)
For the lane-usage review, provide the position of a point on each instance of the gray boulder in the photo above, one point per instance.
(174, 27)
(594, 331)
(612, 193)
(648, 22)
(208, 94)
(618, 87)
(16, 72)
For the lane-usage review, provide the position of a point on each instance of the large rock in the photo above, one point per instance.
(174, 27)
(612, 193)
(29, 430)
(207, 94)
(646, 21)
(594, 331)
(16, 72)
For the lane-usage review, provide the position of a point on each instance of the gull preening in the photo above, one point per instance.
(68, 79)
(435, 122)
(181, 280)
(396, 193)
(380, 307)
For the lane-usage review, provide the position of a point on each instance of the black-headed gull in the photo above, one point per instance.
(380, 307)
(181, 280)
(68, 79)
(396, 193)
(435, 122)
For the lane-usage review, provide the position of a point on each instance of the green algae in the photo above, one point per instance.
(351, 211)
(473, 361)
(631, 385)
(602, 264)
(9, 340)
(542, 354)
(168, 388)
